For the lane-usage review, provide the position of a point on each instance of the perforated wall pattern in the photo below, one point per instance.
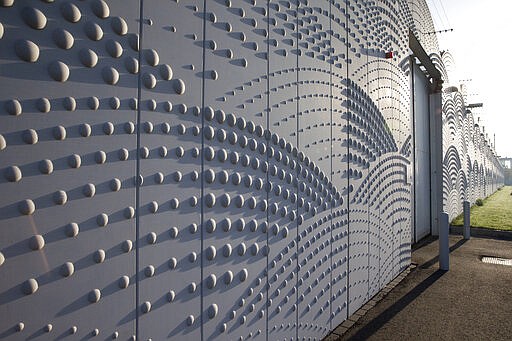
(201, 169)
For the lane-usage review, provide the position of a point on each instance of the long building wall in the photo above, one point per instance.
(471, 169)
(202, 169)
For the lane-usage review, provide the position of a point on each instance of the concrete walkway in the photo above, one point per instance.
(472, 301)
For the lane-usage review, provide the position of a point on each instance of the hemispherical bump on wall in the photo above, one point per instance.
(3, 143)
(72, 230)
(192, 257)
(93, 103)
(43, 105)
(209, 153)
(73, 330)
(93, 31)
(89, 190)
(132, 65)
(192, 287)
(210, 200)
(126, 246)
(166, 72)
(67, 269)
(20, 326)
(179, 86)
(36, 242)
(211, 281)
(242, 249)
(190, 320)
(151, 57)
(13, 173)
(213, 310)
(129, 127)
(173, 262)
(74, 161)
(151, 104)
(94, 295)
(227, 250)
(180, 151)
(223, 327)
(99, 256)
(255, 249)
(146, 307)
(60, 197)
(70, 12)
(26, 50)
(193, 201)
(34, 18)
(159, 179)
(123, 282)
(30, 136)
(1, 30)
(151, 238)
(13, 107)
(173, 232)
(100, 9)
(88, 58)
(243, 275)
(30, 286)
(102, 220)
(69, 103)
(26, 207)
(110, 75)
(6, 3)
(209, 132)
(114, 49)
(228, 277)
(123, 154)
(95, 331)
(171, 295)
(175, 203)
(2, 259)
(63, 39)
(108, 128)
(120, 27)
(129, 212)
(149, 80)
(59, 133)
(195, 131)
(211, 252)
(58, 71)
(239, 201)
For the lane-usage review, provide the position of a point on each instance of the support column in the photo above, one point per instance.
(467, 222)
(436, 165)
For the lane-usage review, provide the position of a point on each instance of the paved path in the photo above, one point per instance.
(472, 301)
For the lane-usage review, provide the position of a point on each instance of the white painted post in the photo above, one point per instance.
(444, 244)
(467, 222)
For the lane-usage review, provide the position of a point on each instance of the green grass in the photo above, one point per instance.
(496, 213)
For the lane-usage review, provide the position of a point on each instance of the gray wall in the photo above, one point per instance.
(471, 169)
(170, 170)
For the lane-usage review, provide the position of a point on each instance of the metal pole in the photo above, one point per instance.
(444, 244)
(467, 223)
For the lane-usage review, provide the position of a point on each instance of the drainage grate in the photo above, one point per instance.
(497, 260)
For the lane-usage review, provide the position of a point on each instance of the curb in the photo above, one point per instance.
(483, 232)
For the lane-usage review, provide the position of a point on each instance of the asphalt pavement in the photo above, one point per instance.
(471, 301)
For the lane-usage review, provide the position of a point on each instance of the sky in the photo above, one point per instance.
(481, 48)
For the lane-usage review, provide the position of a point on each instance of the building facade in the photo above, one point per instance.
(197, 170)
